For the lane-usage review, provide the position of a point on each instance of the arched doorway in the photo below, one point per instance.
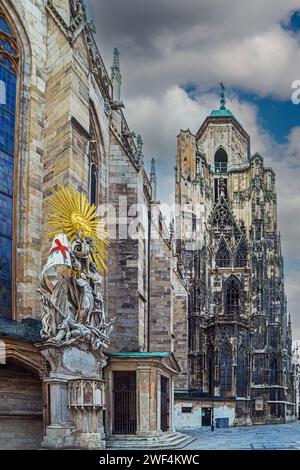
(21, 409)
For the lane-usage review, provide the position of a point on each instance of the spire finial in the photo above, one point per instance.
(153, 179)
(116, 70)
(116, 77)
(139, 149)
(222, 96)
(116, 59)
(153, 169)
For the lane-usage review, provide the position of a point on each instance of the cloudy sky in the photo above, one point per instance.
(173, 55)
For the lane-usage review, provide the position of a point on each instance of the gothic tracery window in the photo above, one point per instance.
(225, 370)
(223, 257)
(232, 296)
(8, 86)
(222, 219)
(241, 255)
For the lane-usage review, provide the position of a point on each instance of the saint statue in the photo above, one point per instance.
(72, 302)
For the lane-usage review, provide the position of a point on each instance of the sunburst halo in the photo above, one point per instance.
(72, 214)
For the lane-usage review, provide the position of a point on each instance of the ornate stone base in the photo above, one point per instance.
(76, 396)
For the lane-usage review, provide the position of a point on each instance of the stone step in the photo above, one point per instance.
(170, 441)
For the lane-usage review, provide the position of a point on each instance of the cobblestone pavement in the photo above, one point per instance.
(266, 437)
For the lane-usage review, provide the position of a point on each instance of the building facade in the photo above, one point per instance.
(199, 311)
(296, 362)
(229, 250)
(62, 122)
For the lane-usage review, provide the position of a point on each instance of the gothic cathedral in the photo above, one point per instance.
(229, 251)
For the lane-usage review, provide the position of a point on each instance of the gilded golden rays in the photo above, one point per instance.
(72, 214)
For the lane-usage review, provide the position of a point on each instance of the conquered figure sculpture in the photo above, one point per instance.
(73, 308)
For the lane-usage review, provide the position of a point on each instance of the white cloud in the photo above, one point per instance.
(160, 119)
(165, 44)
(170, 42)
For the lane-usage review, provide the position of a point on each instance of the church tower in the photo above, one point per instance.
(229, 252)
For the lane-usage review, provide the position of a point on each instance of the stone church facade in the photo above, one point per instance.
(62, 122)
(173, 348)
(229, 250)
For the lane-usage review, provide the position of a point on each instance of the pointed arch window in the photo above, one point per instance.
(225, 370)
(8, 87)
(221, 160)
(97, 161)
(93, 164)
(93, 183)
(241, 255)
(232, 296)
(223, 257)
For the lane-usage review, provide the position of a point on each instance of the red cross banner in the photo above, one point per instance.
(59, 256)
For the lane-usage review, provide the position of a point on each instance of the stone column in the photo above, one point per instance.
(109, 403)
(171, 408)
(147, 403)
(59, 432)
(152, 400)
(143, 399)
(158, 401)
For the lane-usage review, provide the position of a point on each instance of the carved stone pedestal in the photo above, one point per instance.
(76, 395)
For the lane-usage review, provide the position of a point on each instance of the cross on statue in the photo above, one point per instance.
(59, 247)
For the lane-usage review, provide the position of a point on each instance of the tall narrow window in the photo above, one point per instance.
(273, 371)
(225, 370)
(242, 372)
(232, 296)
(194, 222)
(241, 255)
(221, 160)
(93, 184)
(8, 85)
(223, 257)
(93, 165)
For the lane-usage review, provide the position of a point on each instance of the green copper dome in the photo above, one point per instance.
(221, 112)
